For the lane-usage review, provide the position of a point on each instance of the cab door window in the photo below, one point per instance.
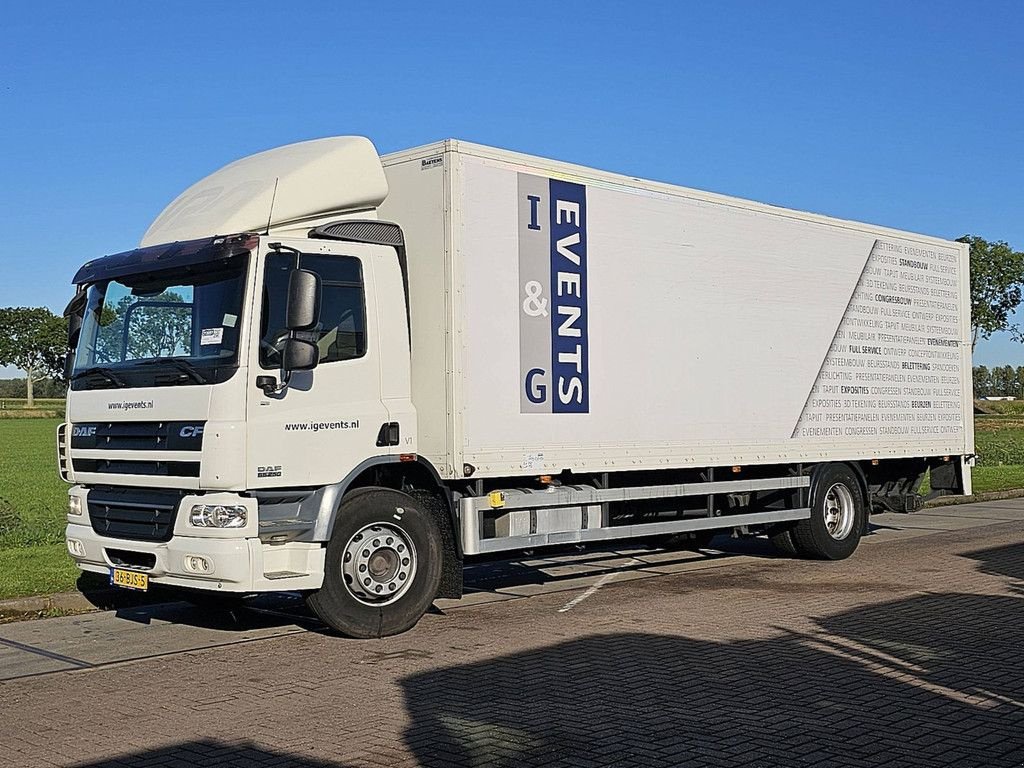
(342, 330)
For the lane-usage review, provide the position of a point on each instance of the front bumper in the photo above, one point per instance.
(240, 561)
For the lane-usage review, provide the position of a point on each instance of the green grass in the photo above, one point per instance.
(999, 440)
(999, 478)
(33, 498)
(33, 504)
(39, 570)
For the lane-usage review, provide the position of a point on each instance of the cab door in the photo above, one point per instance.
(327, 420)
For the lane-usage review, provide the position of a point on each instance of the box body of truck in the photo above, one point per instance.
(694, 329)
(330, 372)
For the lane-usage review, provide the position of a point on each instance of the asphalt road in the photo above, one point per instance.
(909, 653)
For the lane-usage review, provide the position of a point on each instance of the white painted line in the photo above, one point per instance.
(592, 589)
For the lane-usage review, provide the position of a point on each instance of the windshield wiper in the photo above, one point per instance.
(106, 373)
(182, 365)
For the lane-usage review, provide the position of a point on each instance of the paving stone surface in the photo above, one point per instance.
(911, 653)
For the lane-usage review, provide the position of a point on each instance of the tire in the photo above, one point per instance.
(782, 539)
(838, 515)
(382, 566)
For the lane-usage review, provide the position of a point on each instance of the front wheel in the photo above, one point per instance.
(838, 516)
(382, 566)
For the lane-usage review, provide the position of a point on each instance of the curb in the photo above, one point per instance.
(66, 603)
(948, 501)
(61, 601)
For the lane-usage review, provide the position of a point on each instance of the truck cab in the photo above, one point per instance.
(201, 453)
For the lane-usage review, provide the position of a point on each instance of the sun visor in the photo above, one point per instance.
(286, 184)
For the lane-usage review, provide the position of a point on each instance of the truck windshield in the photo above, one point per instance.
(162, 328)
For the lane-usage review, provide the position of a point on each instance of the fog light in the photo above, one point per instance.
(74, 505)
(218, 516)
(197, 564)
(76, 548)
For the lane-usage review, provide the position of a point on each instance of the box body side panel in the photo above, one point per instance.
(607, 327)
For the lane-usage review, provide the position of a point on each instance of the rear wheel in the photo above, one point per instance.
(838, 514)
(382, 566)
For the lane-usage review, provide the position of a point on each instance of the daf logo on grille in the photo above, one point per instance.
(83, 431)
(191, 431)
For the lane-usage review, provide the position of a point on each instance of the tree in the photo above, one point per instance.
(997, 278)
(34, 340)
(1007, 380)
(982, 381)
(156, 328)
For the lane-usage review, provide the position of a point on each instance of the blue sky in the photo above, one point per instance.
(907, 114)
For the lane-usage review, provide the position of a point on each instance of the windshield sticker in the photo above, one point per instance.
(230, 320)
(211, 336)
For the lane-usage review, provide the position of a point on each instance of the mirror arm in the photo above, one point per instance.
(270, 386)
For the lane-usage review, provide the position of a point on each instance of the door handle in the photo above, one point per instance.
(388, 434)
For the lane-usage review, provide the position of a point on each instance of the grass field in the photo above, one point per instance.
(33, 498)
(33, 502)
(43, 408)
(999, 439)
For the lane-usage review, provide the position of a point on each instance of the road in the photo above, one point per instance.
(909, 653)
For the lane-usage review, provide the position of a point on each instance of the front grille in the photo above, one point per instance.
(138, 514)
(132, 467)
(139, 435)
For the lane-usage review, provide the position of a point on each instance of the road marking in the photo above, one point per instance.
(44, 653)
(592, 589)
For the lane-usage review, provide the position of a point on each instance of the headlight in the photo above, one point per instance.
(218, 516)
(74, 505)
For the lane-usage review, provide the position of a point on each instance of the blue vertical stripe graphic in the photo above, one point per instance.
(570, 363)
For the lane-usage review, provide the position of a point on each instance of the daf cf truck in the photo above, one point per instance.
(339, 374)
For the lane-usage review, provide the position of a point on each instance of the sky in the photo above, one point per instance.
(905, 114)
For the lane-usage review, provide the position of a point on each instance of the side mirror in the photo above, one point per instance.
(303, 312)
(299, 355)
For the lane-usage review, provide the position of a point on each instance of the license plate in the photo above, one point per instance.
(119, 577)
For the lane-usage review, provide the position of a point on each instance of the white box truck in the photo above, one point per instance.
(341, 374)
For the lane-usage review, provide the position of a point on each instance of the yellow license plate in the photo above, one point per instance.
(129, 579)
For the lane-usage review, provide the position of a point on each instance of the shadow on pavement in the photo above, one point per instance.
(926, 681)
(260, 612)
(210, 753)
(500, 571)
(1007, 560)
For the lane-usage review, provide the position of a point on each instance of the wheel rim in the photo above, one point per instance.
(840, 511)
(379, 564)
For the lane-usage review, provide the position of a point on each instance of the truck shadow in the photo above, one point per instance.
(544, 567)
(554, 565)
(1006, 561)
(211, 752)
(929, 680)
